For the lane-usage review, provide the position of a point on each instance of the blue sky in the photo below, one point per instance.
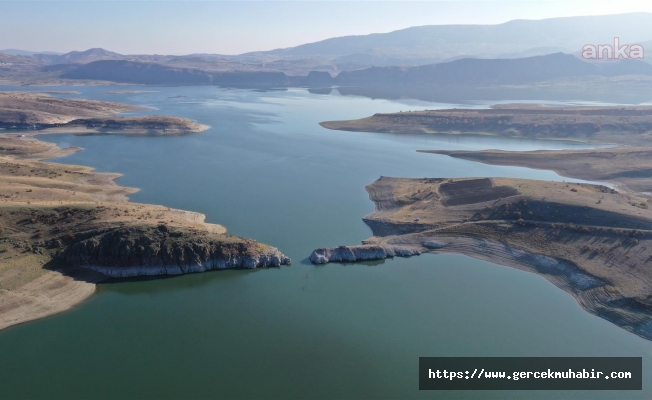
(227, 27)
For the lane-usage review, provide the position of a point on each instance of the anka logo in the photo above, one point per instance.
(615, 52)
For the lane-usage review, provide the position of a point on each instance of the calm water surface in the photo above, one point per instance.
(268, 171)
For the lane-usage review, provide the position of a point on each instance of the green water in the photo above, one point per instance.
(267, 170)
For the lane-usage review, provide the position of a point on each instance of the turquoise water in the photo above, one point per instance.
(268, 171)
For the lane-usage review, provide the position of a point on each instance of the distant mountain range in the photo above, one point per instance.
(78, 57)
(519, 37)
(467, 72)
(16, 52)
(474, 72)
(420, 45)
(464, 54)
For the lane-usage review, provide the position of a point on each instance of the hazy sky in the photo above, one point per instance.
(226, 27)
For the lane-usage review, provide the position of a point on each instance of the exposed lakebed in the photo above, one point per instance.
(268, 171)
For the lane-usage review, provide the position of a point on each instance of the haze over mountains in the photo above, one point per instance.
(482, 41)
(468, 71)
(16, 52)
(515, 52)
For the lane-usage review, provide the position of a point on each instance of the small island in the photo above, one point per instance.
(65, 228)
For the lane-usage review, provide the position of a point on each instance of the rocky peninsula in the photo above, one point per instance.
(591, 241)
(65, 228)
(628, 168)
(631, 125)
(39, 112)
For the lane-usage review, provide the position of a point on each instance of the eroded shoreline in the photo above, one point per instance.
(39, 113)
(589, 240)
(65, 228)
(631, 125)
(628, 168)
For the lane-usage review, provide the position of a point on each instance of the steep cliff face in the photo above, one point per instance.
(319, 78)
(136, 72)
(359, 253)
(62, 223)
(477, 71)
(138, 250)
(159, 74)
(589, 240)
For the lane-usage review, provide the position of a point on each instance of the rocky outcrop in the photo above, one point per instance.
(319, 78)
(360, 253)
(431, 244)
(137, 251)
(271, 258)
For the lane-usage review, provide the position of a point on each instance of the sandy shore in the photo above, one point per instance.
(31, 286)
(50, 293)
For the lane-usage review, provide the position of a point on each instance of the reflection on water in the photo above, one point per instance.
(604, 92)
(168, 284)
(267, 170)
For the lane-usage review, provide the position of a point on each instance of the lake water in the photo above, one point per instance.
(268, 171)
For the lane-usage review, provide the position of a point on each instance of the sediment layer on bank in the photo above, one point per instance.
(629, 168)
(630, 125)
(64, 228)
(590, 240)
(45, 114)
